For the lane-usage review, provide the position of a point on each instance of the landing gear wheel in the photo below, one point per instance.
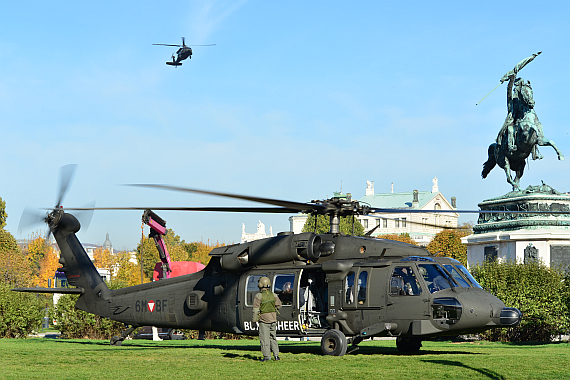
(408, 344)
(116, 341)
(333, 343)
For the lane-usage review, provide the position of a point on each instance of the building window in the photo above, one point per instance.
(397, 223)
(491, 253)
(404, 222)
(424, 222)
(385, 223)
(364, 223)
(378, 222)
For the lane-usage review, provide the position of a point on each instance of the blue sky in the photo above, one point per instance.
(295, 99)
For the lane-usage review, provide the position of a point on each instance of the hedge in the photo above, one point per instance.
(541, 293)
(20, 313)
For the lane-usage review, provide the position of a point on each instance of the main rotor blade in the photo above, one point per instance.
(202, 45)
(275, 202)
(85, 216)
(411, 211)
(66, 175)
(263, 210)
(168, 45)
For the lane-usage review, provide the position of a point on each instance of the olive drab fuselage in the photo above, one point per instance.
(360, 287)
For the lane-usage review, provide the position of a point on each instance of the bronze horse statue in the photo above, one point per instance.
(520, 135)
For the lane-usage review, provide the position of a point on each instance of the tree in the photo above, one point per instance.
(103, 259)
(36, 251)
(48, 265)
(127, 272)
(447, 243)
(201, 250)
(323, 225)
(3, 214)
(178, 250)
(14, 267)
(405, 237)
(466, 228)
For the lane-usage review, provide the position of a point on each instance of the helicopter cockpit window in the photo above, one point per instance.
(435, 277)
(349, 289)
(251, 288)
(468, 275)
(283, 286)
(361, 291)
(456, 276)
(404, 282)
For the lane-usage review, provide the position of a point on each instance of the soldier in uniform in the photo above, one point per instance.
(265, 307)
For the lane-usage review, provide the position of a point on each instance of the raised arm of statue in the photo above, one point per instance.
(519, 67)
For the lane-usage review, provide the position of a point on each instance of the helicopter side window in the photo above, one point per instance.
(283, 287)
(361, 291)
(251, 288)
(456, 276)
(349, 289)
(404, 282)
(435, 277)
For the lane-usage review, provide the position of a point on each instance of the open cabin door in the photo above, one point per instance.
(285, 283)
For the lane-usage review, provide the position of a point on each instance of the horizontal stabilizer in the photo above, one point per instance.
(174, 63)
(51, 290)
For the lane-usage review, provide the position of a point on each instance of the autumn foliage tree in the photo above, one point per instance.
(14, 267)
(177, 248)
(405, 237)
(447, 243)
(103, 259)
(126, 271)
(47, 267)
(3, 214)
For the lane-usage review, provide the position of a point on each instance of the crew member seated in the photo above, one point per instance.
(286, 295)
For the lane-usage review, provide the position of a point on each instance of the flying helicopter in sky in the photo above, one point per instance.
(343, 289)
(184, 51)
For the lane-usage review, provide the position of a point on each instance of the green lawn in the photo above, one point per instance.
(40, 358)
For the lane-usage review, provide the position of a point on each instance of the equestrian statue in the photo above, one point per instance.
(521, 133)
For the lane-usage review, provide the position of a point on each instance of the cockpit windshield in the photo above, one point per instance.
(456, 276)
(468, 275)
(435, 277)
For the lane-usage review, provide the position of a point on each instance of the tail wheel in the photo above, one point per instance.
(408, 344)
(333, 343)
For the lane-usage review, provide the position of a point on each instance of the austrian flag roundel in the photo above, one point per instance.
(150, 306)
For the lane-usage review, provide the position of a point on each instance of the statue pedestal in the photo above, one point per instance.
(522, 237)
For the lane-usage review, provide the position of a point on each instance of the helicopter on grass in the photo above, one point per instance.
(184, 51)
(343, 289)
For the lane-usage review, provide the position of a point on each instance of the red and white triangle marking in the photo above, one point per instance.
(150, 306)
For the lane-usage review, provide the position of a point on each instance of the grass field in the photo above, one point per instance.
(41, 358)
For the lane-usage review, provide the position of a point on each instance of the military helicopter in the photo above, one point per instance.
(184, 52)
(342, 289)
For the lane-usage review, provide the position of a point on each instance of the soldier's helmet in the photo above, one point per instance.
(264, 282)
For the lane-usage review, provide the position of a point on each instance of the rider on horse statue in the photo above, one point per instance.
(521, 132)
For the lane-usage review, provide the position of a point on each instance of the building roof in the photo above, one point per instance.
(398, 200)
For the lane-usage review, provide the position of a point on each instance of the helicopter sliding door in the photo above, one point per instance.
(285, 285)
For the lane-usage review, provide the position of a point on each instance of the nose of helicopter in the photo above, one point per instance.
(509, 317)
